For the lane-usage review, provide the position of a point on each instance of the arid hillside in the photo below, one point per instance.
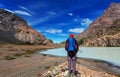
(104, 31)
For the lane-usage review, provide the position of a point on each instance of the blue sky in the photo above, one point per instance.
(56, 19)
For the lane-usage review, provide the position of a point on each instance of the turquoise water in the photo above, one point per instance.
(109, 54)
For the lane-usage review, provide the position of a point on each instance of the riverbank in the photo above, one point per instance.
(100, 65)
(23, 61)
(11, 51)
(37, 65)
(28, 66)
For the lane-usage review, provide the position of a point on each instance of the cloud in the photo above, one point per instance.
(76, 30)
(45, 18)
(41, 20)
(19, 12)
(86, 21)
(22, 7)
(52, 13)
(22, 12)
(54, 31)
(70, 14)
(9, 10)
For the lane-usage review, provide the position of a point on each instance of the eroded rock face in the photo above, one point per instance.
(14, 29)
(29, 35)
(105, 25)
(48, 42)
(105, 41)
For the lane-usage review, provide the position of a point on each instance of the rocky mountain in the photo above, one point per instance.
(14, 29)
(104, 31)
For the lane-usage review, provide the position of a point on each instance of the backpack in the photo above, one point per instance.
(71, 47)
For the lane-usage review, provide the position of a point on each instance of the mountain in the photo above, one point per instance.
(104, 31)
(15, 30)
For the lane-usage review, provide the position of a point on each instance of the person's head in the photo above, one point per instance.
(71, 35)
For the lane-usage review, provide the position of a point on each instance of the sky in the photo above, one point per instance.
(56, 19)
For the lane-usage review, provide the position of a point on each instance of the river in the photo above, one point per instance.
(108, 54)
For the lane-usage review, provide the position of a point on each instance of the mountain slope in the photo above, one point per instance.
(14, 29)
(105, 26)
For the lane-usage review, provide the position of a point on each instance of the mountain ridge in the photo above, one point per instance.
(15, 30)
(101, 27)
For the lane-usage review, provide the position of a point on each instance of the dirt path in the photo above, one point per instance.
(28, 66)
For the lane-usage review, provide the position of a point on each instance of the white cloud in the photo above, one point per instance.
(22, 12)
(9, 10)
(19, 12)
(70, 14)
(22, 7)
(54, 31)
(76, 30)
(52, 13)
(86, 21)
(41, 20)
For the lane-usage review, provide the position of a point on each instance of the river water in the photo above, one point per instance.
(109, 54)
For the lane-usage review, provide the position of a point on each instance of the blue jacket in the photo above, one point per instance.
(71, 45)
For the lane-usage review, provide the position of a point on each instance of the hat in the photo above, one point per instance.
(71, 35)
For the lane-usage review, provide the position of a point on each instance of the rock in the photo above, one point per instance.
(15, 30)
(110, 40)
(82, 72)
(48, 42)
(63, 70)
(28, 35)
(99, 30)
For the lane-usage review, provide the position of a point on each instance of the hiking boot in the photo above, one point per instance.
(71, 71)
(72, 75)
(69, 74)
(75, 73)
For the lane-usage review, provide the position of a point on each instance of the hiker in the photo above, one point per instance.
(72, 48)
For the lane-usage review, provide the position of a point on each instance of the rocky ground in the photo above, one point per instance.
(62, 71)
(24, 61)
(28, 66)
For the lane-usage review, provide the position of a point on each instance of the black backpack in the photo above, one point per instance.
(71, 53)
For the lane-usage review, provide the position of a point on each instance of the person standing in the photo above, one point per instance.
(71, 47)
